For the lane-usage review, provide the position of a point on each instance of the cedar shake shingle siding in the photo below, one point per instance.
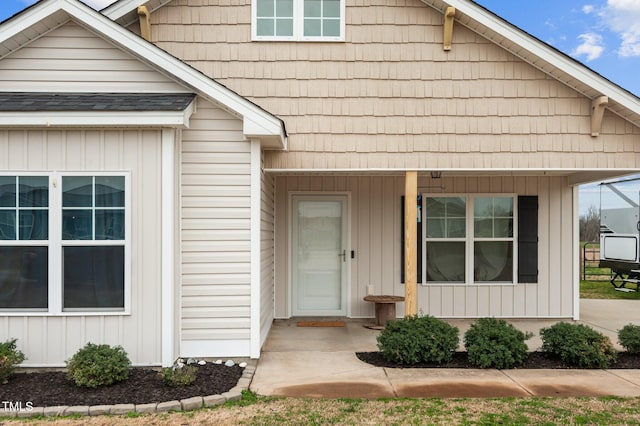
(390, 89)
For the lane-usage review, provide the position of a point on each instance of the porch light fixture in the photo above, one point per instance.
(436, 175)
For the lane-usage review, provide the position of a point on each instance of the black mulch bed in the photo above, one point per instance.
(534, 360)
(45, 389)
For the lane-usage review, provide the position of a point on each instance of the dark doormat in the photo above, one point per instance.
(320, 323)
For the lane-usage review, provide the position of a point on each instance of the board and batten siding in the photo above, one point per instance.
(70, 58)
(215, 237)
(390, 97)
(375, 238)
(49, 340)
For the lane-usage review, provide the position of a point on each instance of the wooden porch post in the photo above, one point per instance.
(410, 244)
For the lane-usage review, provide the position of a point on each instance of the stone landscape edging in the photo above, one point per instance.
(187, 404)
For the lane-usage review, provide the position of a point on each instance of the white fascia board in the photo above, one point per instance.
(23, 21)
(547, 54)
(90, 118)
(120, 8)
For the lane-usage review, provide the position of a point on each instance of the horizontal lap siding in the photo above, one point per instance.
(390, 97)
(375, 236)
(215, 236)
(50, 340)
(70, 58)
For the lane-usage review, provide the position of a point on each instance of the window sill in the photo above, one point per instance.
(63, 314)
(300, 40)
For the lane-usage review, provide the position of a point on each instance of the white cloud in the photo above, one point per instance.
(623, 18)
(591, 47)
(587, 8)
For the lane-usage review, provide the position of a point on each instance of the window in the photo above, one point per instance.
(24, 245)
(63, 242)
(307, 20)
(469, 239)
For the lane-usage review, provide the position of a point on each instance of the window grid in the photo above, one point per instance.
(330, 28)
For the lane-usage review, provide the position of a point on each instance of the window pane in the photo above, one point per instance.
(436, 228)
(436, 207)
(456, 207)
(23, 277)
(493, 261)
(503, 207)
(445, 261)
(34, 191)
(312, 27)
(312, 8)
(483, 228)
(77, 191)
(456, 228)
(265, 8)
(503, 228)
(93, 277)
(7, 224)
(77, 225)
(7, 191)
(331, 9)
(284, 27)
(109, 225)
(109, 191)
(34, 224)
(483, 207)
(265, 27)
(331, 27)
(284, 8)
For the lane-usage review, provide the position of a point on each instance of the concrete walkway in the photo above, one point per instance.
(321, 362)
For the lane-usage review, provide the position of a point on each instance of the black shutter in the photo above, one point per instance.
(418, 239)
(528, 239)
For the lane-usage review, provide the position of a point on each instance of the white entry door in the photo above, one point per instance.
(319, 255)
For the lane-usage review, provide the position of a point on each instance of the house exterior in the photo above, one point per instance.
(175, 175)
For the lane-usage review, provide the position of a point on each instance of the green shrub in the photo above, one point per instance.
(629, 338)
(183, 376)
(494, 343)
(9, 358)
(98, 365)
(578, 345)
(415, 339)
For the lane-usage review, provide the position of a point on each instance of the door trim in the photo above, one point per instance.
(346, 272)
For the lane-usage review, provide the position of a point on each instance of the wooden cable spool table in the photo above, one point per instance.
(385, 308)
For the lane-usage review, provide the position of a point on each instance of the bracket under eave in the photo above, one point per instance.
(597, 112)
(145, 22)
(448, 27)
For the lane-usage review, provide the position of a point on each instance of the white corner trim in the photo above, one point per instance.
(255, 215)
(167, 249)
(576, 253)
(102, 118)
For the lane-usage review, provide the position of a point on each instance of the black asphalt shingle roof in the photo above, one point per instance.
(25, 101)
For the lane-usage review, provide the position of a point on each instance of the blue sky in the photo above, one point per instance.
(602, 34)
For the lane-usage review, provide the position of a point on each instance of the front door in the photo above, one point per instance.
(318, 252)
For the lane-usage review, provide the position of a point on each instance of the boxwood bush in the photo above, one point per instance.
(98, 365)
(494, 343)
(629, 338)
(179, 376)
(578, 345)
(416, 339)
(10, 356)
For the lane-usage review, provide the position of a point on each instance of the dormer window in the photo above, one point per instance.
(301, 20)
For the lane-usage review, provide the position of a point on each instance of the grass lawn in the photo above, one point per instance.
(604, 290)
(254, 410)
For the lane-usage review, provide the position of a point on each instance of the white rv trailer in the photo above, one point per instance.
(620, 230)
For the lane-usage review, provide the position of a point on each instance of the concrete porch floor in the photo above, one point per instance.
(321, 362)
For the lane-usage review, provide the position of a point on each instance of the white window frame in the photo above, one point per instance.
(470, 239)
(298, 25)
(55, 244)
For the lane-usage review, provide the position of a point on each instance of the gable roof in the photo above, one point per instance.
(47, 15)
(480, 20)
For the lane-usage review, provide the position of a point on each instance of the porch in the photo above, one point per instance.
(321, 362)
